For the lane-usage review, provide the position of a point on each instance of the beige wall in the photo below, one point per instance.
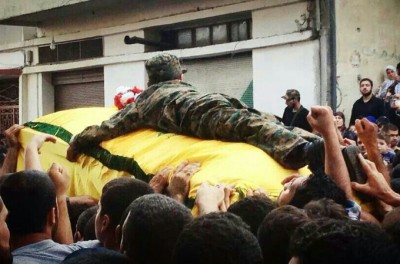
(10, 34)
(367, 40)
(273, 25)
(21, 7)
(278, 20)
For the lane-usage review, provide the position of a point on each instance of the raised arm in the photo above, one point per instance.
(60, 178)
(10, 161)
(376, 184)
(321, 119)
(368, 134)
(32, 151)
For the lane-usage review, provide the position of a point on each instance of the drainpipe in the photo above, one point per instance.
(332, 52)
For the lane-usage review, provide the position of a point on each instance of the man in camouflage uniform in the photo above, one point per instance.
(171, 105)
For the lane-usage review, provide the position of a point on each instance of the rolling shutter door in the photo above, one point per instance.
(75, 89)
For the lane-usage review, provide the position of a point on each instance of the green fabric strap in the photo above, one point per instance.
(50, 129)
(114, 162)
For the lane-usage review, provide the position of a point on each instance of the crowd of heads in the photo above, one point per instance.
(133, 224)
(314, 220)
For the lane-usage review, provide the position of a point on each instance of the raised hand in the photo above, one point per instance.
(59, 176)
(11, 135)
(160, 181)
(32, 151)
(178, 187)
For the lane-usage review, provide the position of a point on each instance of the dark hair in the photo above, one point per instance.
(3, 153)
(84, 219)
(118, 193)
(276, 230)
(217, 238)
(341, 114)
(325, 208)
(395, 182)
(331, 241)
(75, 210)
(383, 136)
(89, 233)
(316, 187)
(367, 79)
(98, 255)
(389, 126)
(29, 196)
(252, 210)
(393, 231)
(152, 228)
(382, 120)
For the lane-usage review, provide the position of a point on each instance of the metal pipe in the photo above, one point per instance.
(332, 52)
(136, 40)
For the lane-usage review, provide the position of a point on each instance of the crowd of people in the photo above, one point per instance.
(344, 212)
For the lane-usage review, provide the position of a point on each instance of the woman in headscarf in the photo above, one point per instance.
(391, 85)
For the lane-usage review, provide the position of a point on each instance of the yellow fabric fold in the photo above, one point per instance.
(241, 164)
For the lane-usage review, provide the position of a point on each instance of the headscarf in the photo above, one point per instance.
(391, 67)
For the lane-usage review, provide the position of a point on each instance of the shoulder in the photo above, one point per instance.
(358, 101)
(46, 251)
(377, 100)
(304, 110)
(85, 244)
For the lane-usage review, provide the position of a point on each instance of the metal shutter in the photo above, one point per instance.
(231, 75)
(75, 89)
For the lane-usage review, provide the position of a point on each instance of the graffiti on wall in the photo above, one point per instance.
(355, 59)
(381, 54)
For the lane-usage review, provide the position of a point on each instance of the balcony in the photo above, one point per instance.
(33, 13)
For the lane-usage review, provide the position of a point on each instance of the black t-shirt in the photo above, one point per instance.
(374, 107)
(300, 120)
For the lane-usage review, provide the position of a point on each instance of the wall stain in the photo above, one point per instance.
(381, 53)
(339, 95)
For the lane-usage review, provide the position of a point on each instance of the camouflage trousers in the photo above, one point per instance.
(214, 116)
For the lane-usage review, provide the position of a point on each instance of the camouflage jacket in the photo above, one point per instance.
(175, 106)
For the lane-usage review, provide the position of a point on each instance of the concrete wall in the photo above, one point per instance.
(126, 74)
(22, 7)
(278, 20)
(10, 34)
(47, 94)
(275, 36)
(9, 60)
(30, 105)
(367, 41)
(279, 68)
(144, 11)
(294, 65)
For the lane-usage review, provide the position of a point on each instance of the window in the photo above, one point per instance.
(207, 35)
(239, 31)
(71, 51)
(185, 38)
(220, 34)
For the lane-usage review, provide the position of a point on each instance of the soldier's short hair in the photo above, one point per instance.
(163, 67)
